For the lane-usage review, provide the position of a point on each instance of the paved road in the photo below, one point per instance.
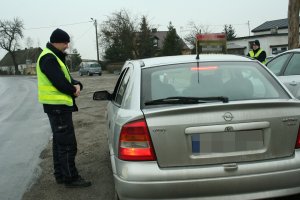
(24, 133)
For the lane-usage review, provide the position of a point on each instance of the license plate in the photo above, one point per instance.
(226, 142)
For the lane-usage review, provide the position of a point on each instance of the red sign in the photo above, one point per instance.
(211, 43)
(211, 36)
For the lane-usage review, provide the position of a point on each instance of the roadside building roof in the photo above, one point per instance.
(22, 57)
(268, 25)
(161, 35)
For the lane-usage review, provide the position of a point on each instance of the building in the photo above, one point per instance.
(159, 38)
(26, 60)
(272, 35)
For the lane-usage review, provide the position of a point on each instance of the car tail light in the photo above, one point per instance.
(297, 146)
(135, 142)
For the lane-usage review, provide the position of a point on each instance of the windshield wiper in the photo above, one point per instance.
(187, 100)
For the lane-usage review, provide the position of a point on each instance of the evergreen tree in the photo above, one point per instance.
(145, 44)
(230, 32)
(172, 44)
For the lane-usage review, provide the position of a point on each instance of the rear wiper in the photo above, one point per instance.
(187, 100)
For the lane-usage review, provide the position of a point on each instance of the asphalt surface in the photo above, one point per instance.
(92, 160)
(24, 133)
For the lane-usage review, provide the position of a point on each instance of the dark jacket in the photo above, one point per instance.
(51, 68)
(262, 56)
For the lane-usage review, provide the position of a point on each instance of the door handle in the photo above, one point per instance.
(230, 167)
(293, 83)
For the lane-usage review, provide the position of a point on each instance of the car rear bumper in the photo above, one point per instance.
(145, 180)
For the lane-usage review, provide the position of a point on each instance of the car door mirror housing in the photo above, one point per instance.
(102, 95)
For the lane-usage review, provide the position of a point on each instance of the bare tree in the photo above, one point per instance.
(29, 42)
(293, 18)
(10, 34)
(194, 30)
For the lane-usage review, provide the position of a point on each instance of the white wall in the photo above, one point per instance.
(265, 42)
(269, 32)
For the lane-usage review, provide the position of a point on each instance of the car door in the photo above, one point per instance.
(287, 68)
(114, 106)
(291, 75)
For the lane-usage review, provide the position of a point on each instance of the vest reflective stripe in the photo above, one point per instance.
(252, 55)
(47, 93)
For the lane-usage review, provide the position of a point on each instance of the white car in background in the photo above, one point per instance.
(287, 67)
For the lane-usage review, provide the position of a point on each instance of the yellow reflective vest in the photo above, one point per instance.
(47, 93)
(252, 55)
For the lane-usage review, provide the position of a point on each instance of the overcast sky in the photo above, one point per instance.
(42, 17)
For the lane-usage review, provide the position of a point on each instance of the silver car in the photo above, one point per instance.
(217, 127)
(287, 67)
(90, 68)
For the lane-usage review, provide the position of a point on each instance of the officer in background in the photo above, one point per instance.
(57, 91)
(257, 53)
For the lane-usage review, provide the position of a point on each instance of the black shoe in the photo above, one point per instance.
(77, 183)
(59, 180)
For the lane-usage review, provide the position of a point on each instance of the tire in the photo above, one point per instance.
(100, 74)
(90, 74)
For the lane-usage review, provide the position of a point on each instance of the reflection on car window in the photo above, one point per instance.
(123, 86)
(277, 64)
(118, 83)
(235, 80)
(293, 67)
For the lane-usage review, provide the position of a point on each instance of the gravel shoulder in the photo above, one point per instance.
(92, 159)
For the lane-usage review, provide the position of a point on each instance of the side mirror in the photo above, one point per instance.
(102, 95)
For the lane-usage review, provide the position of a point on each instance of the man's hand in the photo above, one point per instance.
(77, 93)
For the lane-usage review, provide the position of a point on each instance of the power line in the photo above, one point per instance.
(36, 28)
(85, 32)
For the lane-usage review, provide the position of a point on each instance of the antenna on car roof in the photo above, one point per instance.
(197, 49)
(197, 57)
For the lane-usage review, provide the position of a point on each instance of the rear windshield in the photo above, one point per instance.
(235, 80)
(94, 65)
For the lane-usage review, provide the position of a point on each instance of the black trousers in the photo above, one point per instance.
(64, 145)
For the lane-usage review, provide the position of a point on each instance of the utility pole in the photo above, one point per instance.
(249, 27)
(95, 23)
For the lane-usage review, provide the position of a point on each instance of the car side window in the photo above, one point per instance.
(121, 85)
(118, 83)
(293, 67)
(278, 63)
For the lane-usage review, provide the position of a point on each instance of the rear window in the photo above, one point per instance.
(235, 80)
(94, 65)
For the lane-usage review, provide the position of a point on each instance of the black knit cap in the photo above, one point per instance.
(256, 42)
(59, 36)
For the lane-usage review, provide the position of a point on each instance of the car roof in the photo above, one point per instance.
(293, 50)
(90, 62)
(277, 55)
(148, 62)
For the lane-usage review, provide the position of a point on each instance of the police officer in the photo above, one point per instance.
(57, 91)
(257, 53)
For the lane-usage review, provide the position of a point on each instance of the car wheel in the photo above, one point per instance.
(90, 74)
(100, 74)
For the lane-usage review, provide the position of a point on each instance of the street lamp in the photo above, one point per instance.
(95, 23)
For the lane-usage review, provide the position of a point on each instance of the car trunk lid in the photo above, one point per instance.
(219, 133)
